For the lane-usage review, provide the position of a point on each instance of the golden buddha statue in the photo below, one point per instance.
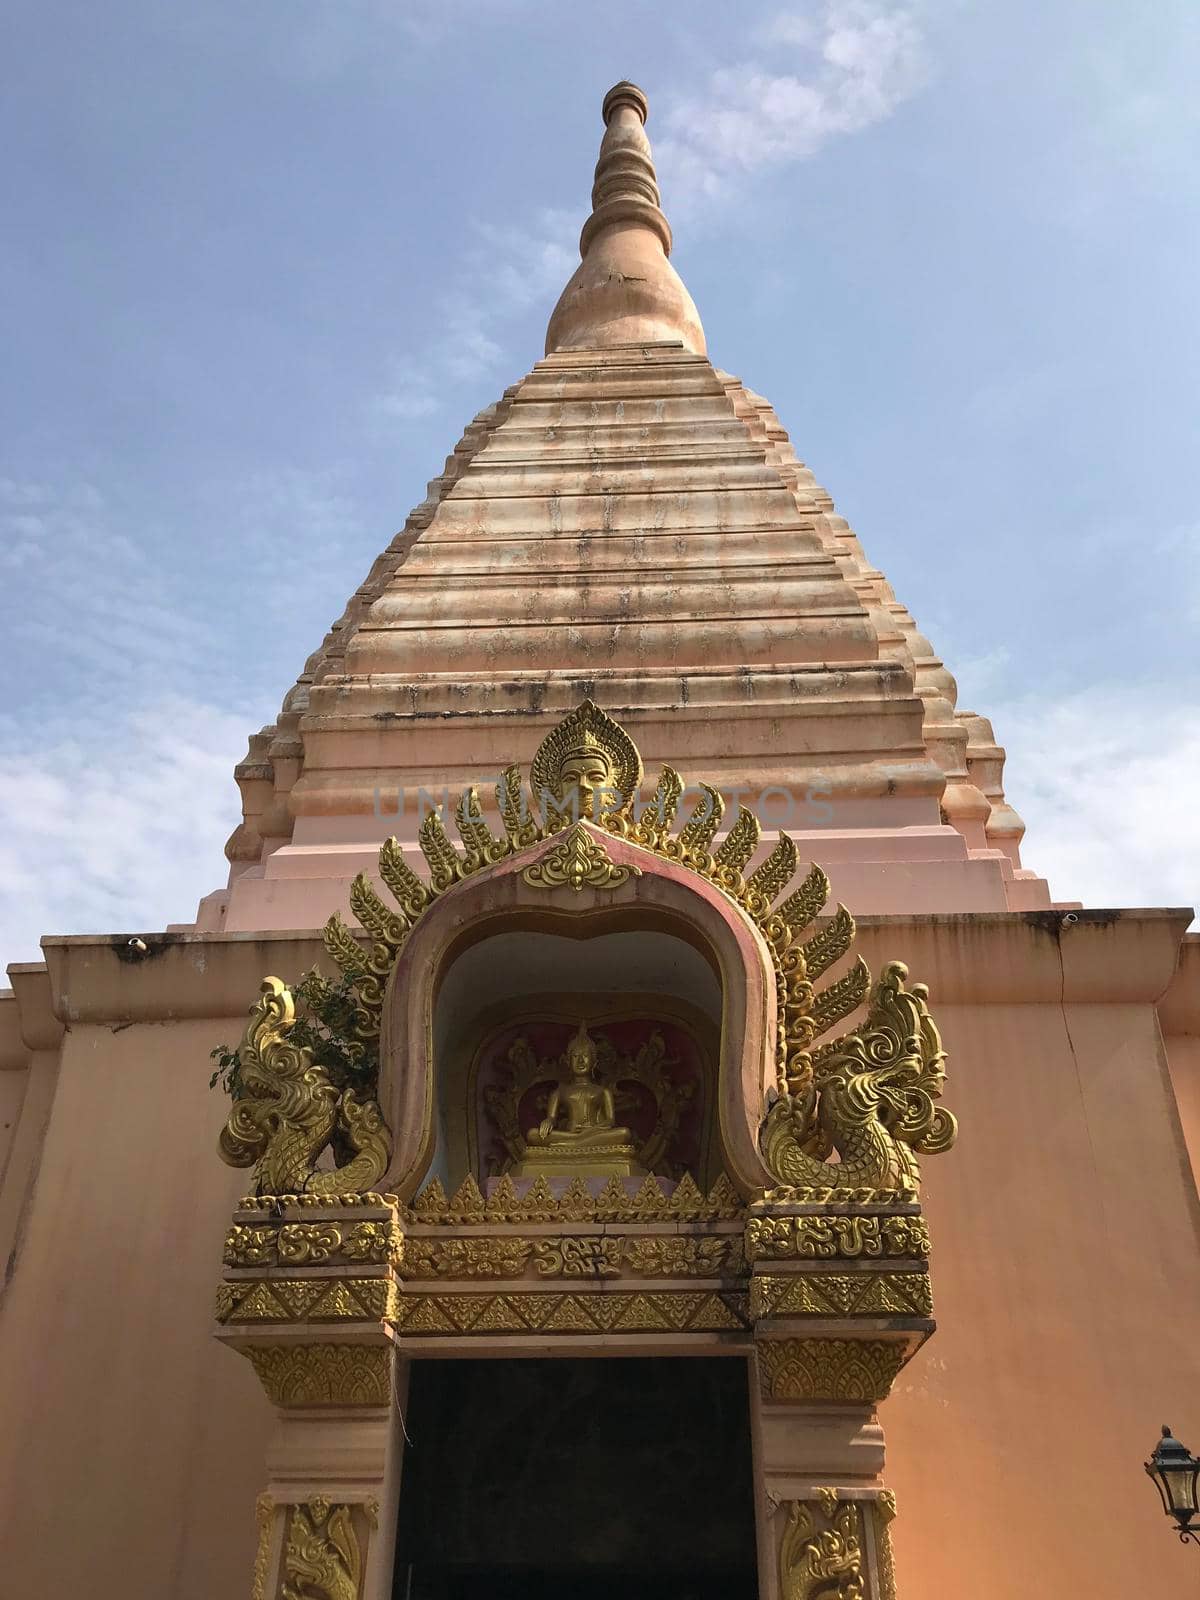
(579, 1136)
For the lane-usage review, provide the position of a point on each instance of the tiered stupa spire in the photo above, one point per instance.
(630, 525)
(625, 290)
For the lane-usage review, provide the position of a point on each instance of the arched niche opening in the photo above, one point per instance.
(509, 1006)
(670, 980)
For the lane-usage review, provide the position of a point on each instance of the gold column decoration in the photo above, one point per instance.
(883, 1515)
(264, 1516)
(324, 1374)
(867, 1096)
(854, 1371)
(821, 1555)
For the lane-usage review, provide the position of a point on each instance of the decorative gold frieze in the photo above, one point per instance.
(785, 1195)
(841, 1294)
(851, 1370)
(866, 1097)
(322, 1559)
(324, 1374)
(550, 1313)
(574, 1256)
(827, 1237)
(350, 1200)
(306, 1300)
(821, 1554)
(649, 1203)
(578, 1256)
(577, 860)
(310, 1244)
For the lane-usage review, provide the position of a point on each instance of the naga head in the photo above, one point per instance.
(892, 1069)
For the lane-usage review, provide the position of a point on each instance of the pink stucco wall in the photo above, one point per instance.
(1066, 1276)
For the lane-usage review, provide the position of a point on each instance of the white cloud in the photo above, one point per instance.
(410, 399)
(507, 270)
(851, 70)
(119, 829)
(1106, 781)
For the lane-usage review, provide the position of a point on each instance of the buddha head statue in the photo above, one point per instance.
(587, 772)
(581, 1053)
(586, 766)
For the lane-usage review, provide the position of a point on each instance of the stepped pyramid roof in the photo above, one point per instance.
(630, 524)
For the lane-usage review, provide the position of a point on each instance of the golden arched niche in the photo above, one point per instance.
(662, 935)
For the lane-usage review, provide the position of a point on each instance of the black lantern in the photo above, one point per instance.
(1176, 1473)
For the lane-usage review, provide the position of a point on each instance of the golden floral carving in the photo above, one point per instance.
(851, 1370)
(542, 1312)
(500, 1256)
(249, 1247)
(322, 1559)
(820, 1556)
(373, 1243)
(681, 1256)
(288, 1112)
(841, 1294)
(324, 1374)
(264, 1517)
(578, 859)
(827, 1237)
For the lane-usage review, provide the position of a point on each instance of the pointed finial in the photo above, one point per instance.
(625, 291)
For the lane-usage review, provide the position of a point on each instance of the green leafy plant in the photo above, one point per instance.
(326, 1014)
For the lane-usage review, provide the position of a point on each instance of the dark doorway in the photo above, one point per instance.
(627, 1478)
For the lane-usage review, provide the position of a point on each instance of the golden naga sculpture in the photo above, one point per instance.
(579, 1133)
(866, 1097)
(287, 1112)
(822, 1563)
(870, 1097)
(322, 1559)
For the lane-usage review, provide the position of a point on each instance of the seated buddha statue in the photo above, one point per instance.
(579, 1135)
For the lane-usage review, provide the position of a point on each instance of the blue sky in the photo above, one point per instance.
(265, 260)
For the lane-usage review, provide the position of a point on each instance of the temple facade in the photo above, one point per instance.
(633, 1015)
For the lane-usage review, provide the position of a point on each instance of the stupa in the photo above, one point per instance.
(612, 895)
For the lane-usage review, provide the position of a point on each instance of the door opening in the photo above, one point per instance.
(571, 1478)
